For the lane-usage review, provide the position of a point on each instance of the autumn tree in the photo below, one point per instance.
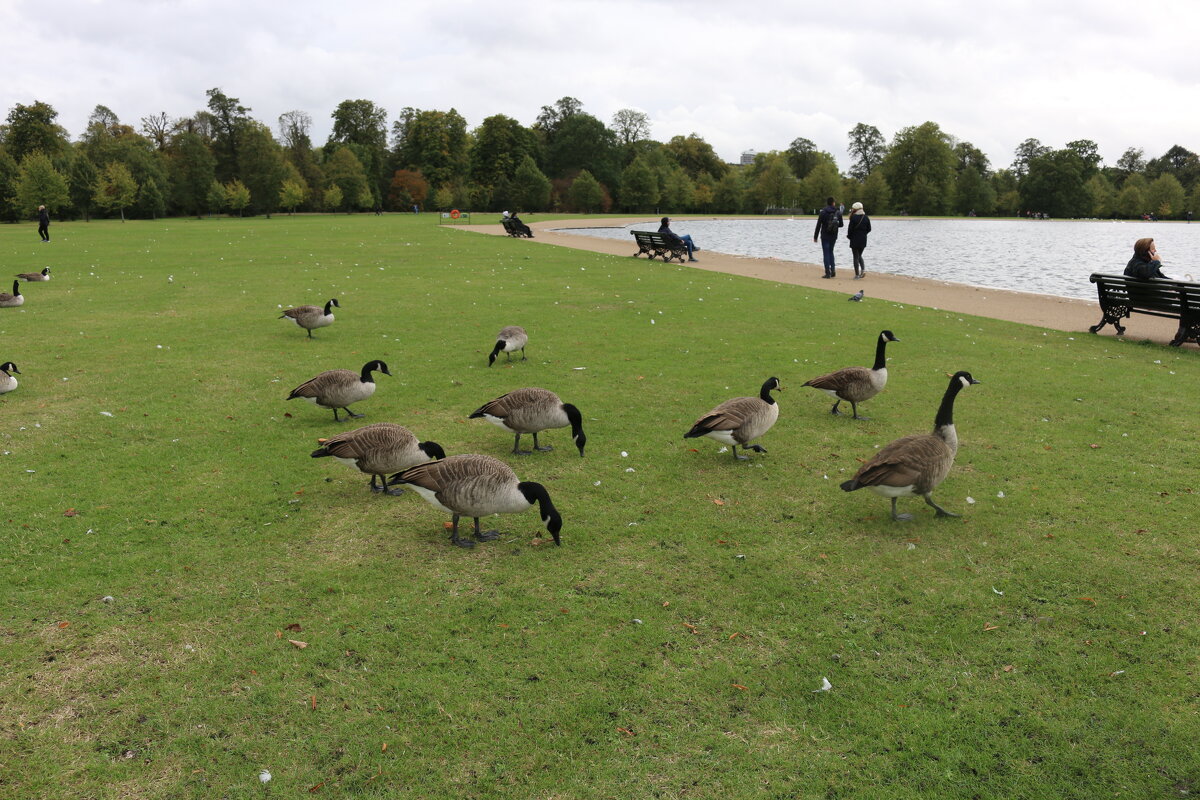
(408, 188)
(237, 196)
(115, 188)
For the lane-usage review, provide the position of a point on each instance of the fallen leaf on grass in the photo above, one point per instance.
(384, 748)
(1094, 446)
(63, 624)
(447, 525)
(718, 501)
(626, 731)
(294, 627)
(1009, 668)
(738, 686)
(666, 603)
(990, 627)
(314, 789)
(70, 512)
(298, 644)
(313, 700)
(691, 627)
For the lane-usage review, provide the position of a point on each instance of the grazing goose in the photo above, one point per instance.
(915, 465)
(740, 420)
(7, 381)
(338, 388)
(44, 275)
(476, 486)
(509, 340)
(532, 411)
(856, 384)
(12, 300)
(378, 450)
(309, 317)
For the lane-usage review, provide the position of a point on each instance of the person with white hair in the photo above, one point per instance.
(856, 235)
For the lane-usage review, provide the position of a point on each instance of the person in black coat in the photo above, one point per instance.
(1145, 263)
(44, 223)
(828, 221)
(665, 228)
(856, 233)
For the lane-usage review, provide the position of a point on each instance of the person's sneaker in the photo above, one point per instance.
(693, 259)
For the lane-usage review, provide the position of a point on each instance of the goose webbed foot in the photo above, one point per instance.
(351, 413)
(758, 448)
(537, 446)
(739, 457)
(395, 492)
(941, 512)
(376, 489)
(310, 334)
(455, 539)
(834, 410)
(899, 517)
(486, 536)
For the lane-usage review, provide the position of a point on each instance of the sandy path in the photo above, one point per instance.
(1058, 313)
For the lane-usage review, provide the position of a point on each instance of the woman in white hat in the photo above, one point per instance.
(856, 235)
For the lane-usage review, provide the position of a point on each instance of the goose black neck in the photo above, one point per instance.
(945, 414)
(536, 493)
(327, 307)
(370, 367)
(880, 360)
(765, 392)
(574, 417)
(16, 288)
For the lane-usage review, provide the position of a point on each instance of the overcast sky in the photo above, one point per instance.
(742, 75)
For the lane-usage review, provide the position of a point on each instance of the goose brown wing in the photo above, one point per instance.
(302, 311)
(909, 461)
(319, 385)
(729, 415)
(378, 437)
(843, 380)
(460, 478)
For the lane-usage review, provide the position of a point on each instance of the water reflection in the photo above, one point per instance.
(1045, 257)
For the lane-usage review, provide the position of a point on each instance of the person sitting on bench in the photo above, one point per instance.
(519, 226)
(1145, 263)
(665, 228)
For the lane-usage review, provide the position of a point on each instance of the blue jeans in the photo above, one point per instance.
(827, 243)
(691, 246)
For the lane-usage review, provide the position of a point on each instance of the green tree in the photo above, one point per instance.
(228, 118)
(1103, 196)
(39, 183)
(582, 142)
(695, 156)
(363, 125)
(498, 147)
(973, 193)
(585, 193)
(8, 185)
(33, 128)
(775, 186)
(876, 195)
(1178, 161)
(82, 179)
(551, 117)
(237, 196)
(1131, 162)
(1166, 196)
(801, 156)
(729, 195)
(1025, 152)
(1088, 153)
(294, 127)
(866, 148)
(1131, 201)
(292, 193)
(215, 198)
(150, 197)
(333, 198)
(530, 189)
(639, 186)
(193, 170)
(115, 188)
(344, 170)
(262, 167)
(433, 142)
(919, 168)
(630, 126)
(1055, 185)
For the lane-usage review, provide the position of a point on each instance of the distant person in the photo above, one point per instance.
(665, 227)
(1144, 264)
(828, 221)
(856, 233)
(44, 223)
(519, 225)
(505, 215)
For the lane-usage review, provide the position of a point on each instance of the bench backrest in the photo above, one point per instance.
(1174, 298)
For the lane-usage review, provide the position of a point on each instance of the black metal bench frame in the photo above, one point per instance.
(657, 244)
(1121, 296)
(516, 229)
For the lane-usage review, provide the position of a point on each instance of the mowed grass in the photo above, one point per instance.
(1043, 645)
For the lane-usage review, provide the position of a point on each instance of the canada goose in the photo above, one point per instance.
(476, 486)
(916, 464)
(379, 449)
(531, 411)
(12, 300)
(44, 275)
(856, 384)
(740, 420)
(7, 381)
(510, 340)
(338, 388)
(309, 317)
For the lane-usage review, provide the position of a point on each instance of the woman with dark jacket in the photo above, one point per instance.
(1145, 263)
(856, 234)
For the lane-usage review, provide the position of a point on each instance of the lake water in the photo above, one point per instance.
(1052, 257)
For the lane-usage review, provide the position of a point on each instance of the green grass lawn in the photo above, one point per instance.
(1044, 645)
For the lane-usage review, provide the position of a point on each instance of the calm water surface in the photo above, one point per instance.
(1042, 256)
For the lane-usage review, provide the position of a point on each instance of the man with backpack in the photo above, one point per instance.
(828, 221)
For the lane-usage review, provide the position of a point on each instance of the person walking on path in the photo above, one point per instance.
(856, 234)
(44, 223)
(665, 227)
(828, 222)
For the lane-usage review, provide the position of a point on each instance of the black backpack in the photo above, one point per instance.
(832, 223)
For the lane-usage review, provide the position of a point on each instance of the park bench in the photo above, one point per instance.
(659, 244)
(517, 229)
(1121, 296)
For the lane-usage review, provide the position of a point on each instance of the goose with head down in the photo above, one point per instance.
(916, 465)
(377, 450)
(477, 486)
(510, 339)
(532, 410)
(338, 388)
(741, 420)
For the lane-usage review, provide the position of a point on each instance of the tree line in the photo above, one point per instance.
(223, 160)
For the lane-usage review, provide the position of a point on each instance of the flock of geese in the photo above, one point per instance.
(14, 300)
(476, 486)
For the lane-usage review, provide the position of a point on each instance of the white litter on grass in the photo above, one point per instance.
(825, 686)
(723, 450)
(651, 322)
(1000, 494)
(630, 469)
(637, 621)
(108, 598)
(911, 546)
(264, 776)
(624, 454)
(106, 413)
(997, 591)
(970, 501)
(578, 368)
(597, 483)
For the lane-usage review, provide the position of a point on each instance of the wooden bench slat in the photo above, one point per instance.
(1121, 296)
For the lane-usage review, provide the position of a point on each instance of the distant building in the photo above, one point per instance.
(748, 157)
